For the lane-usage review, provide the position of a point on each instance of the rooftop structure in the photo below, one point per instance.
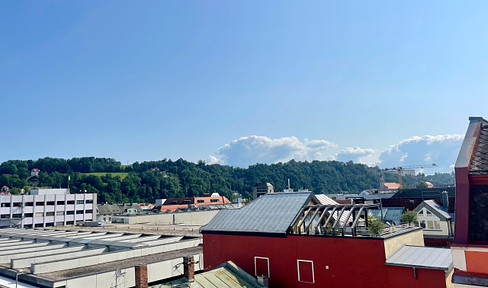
(294, 241)
(70, 258)
(261, 189)
(470, 247)
(210, 201)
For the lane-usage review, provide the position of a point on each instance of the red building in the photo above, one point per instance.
(470, 247)
(295, 242)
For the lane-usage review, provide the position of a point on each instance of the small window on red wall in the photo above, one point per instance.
(261, 266)
(305, 271)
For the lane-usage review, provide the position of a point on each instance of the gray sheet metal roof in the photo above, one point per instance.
(422, 257)
(437, 208)
(271, 213)
(325, 200)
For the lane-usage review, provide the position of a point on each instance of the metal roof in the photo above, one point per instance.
(437, 208)
(325, 200)
(422, 257)
(271, 213)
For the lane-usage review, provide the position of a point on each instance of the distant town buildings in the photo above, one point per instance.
(208, 201)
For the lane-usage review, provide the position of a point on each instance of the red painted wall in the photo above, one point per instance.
(352, 262)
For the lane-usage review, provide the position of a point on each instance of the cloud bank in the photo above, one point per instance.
(254, 149)
(418, 150)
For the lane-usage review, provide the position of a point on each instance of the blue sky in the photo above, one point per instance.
(240, 82)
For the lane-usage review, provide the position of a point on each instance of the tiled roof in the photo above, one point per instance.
(479, 161)
(271, 213)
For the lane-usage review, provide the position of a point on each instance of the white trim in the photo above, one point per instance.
(255, 267)
(298, 269)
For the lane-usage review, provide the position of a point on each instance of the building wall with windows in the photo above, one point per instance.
(30, 211)
(432, 224)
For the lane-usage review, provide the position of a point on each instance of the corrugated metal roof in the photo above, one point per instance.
(271, 213)
(325, 200)
(422, 257)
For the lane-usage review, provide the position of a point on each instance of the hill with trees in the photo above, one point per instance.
(150, 180)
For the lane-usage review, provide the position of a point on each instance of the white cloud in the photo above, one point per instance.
(419, 150)
(356, 154)
(254, 149)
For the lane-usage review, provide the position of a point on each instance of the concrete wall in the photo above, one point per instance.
(187, 218)
(414, 238)
(35, 252)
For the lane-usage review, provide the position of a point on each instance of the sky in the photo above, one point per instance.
(388, 83)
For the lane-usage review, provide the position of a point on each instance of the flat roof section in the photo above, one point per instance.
(421, 257)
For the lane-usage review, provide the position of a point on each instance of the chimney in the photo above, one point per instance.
(445, 200)
(189, 268)
(141, 276)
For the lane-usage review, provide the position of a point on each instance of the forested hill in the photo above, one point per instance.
(147, 181)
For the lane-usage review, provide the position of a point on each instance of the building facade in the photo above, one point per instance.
(45, 210)
(470, 247)
(294, 241)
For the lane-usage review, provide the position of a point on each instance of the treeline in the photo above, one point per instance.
(147, 181)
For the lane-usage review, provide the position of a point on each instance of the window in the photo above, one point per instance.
(79, 211)
(429, 214)
(60, 213)
(89, 201)
(28, 215)
(16, 215)
(214, 200)
(80, 202)
(90, 211)
(29, 226)
(39, 203)
(60, 203)
(430, 224)
(16, 204)
(71, 212)
(5, 216)
(305, 271)
(49, 213)
(261, 266)
(49, 224)
(5, 204)
(437, 225)
(200, 201)
(50, 203)
(38, 225)
(70, 222)
(71, 202)
(29, 204)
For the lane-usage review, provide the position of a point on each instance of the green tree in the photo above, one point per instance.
(409, 217)
(375, 225)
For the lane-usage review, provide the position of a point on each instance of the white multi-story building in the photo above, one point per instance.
(44, 210)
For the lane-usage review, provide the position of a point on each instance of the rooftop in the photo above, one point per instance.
(479, 161)
(421, 257)
(271, 213)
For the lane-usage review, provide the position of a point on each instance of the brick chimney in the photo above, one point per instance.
(189, 268)
(141, 276)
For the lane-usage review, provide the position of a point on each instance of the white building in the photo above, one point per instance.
(44, 210)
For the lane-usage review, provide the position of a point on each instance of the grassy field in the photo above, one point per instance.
(122, 175)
